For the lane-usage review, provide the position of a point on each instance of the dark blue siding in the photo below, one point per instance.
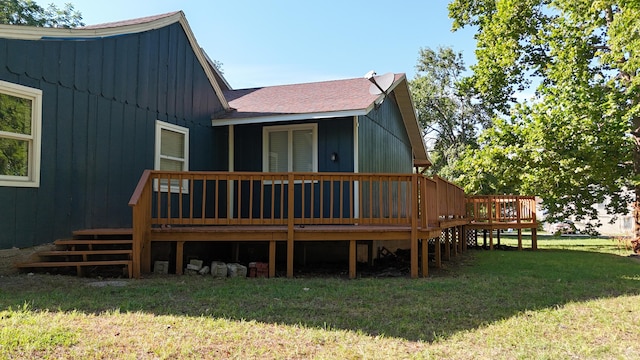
(101, 99)
(383, 142)
(334, 135)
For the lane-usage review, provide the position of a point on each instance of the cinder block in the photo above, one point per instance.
(160, 267)
(218, 269)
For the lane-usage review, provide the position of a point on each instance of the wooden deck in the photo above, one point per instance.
(290, 208)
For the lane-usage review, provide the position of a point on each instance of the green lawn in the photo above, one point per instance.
(574, 298)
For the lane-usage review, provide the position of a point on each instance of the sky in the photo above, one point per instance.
(274, 42)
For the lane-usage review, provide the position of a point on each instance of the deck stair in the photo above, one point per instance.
(95, 249)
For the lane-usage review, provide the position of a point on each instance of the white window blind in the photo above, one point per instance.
(302, 143)
(172, 154)
(290, 148)
(278, 151)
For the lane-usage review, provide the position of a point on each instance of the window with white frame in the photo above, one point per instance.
(288, 148)
(172, 153)
(20, 124)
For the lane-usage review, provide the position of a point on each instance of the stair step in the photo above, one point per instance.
(93, 242)
(102, 232)
(84, 252)
(73, 263)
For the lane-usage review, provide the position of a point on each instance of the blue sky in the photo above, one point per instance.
(271, 42)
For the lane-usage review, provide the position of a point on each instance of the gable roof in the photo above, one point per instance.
(118, 28)
(322, 100)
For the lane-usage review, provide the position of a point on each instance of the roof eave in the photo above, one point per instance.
(270, 118)
(414, 131)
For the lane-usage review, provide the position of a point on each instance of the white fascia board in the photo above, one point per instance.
(290, 117)
(36, 33)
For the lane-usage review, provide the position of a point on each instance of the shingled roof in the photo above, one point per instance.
(321, 100)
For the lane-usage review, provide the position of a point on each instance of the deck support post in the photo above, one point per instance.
(352, 259)
(454, 241)
(425, 257)
(179, 256)
(438, 251)
(290, 220)
(447, 244)
(519, 239)
(490, 239)
(272, 258)
(414, 227)
(463, 231)
(534, 239)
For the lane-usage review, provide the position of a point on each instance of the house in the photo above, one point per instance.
(102, 103)
(127, 129)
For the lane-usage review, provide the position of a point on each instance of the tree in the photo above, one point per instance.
(450, 117)
(578, 141)
(28, 12)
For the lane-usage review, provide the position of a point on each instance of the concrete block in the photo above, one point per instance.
(160, 267)
(195, 264)
(204, 270)
(236, 270)
(218, 269)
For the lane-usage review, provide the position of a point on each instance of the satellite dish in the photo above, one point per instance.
(380, 84)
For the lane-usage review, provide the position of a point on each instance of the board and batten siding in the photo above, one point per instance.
(383, 142)
(334, 135)
(101, 99)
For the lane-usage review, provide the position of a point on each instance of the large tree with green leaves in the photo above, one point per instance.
(28, 12)
(577, 141)
(450, 117)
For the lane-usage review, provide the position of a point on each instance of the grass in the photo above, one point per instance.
(575, 298)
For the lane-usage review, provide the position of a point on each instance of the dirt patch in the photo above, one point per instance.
(10, 257)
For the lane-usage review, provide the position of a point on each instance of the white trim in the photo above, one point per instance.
(290, 128)
(291, 117)
(161, 125)
(34, 139)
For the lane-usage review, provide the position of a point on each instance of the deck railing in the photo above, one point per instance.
(239, 198)
(501, 209)
(164, 198)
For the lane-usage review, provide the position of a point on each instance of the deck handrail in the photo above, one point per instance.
(501, 209)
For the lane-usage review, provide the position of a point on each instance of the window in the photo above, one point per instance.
(20, 123)
(290, 148)
(172, 153)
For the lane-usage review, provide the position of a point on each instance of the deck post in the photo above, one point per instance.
(272, 258)
(454, 240)
(425, 257)
(438, 251)
(534, 229)
(463, 231)
(290, 219)
(491, 238)
(179, 257)
(519, 239)
(447, 244)
(414, 227)
(140, 204)
(352, 259)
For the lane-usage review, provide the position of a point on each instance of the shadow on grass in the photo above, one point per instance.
(475, 289)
